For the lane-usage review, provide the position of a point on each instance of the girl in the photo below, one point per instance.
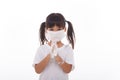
(53, 59)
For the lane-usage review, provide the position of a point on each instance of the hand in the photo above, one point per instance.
(53, 50)
(58, 59)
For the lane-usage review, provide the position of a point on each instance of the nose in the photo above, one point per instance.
(55, 28)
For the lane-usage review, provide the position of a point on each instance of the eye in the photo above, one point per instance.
(50, 29)
(60, 28)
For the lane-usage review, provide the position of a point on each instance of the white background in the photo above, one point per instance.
(96, 24)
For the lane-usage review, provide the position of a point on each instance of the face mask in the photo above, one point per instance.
(55, 35)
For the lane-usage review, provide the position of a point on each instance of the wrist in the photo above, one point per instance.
(61, 62)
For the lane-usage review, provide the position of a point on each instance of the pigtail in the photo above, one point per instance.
(42, 33)
(70, 34)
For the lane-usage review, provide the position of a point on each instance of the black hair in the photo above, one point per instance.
(58, 20)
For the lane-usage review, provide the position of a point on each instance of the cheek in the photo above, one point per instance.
(47, 30)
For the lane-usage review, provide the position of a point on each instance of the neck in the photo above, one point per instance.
(58, 43)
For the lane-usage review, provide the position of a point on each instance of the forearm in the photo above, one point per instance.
(41, 66)
(66, 67)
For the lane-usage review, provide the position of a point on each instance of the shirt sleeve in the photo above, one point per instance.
(38, 56)
(70, 57)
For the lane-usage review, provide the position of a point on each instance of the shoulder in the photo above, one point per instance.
(43, 48)
(68, 48)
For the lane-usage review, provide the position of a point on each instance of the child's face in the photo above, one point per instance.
(56, 28)
(55, 33)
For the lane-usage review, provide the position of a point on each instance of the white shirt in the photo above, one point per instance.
(53, 71)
